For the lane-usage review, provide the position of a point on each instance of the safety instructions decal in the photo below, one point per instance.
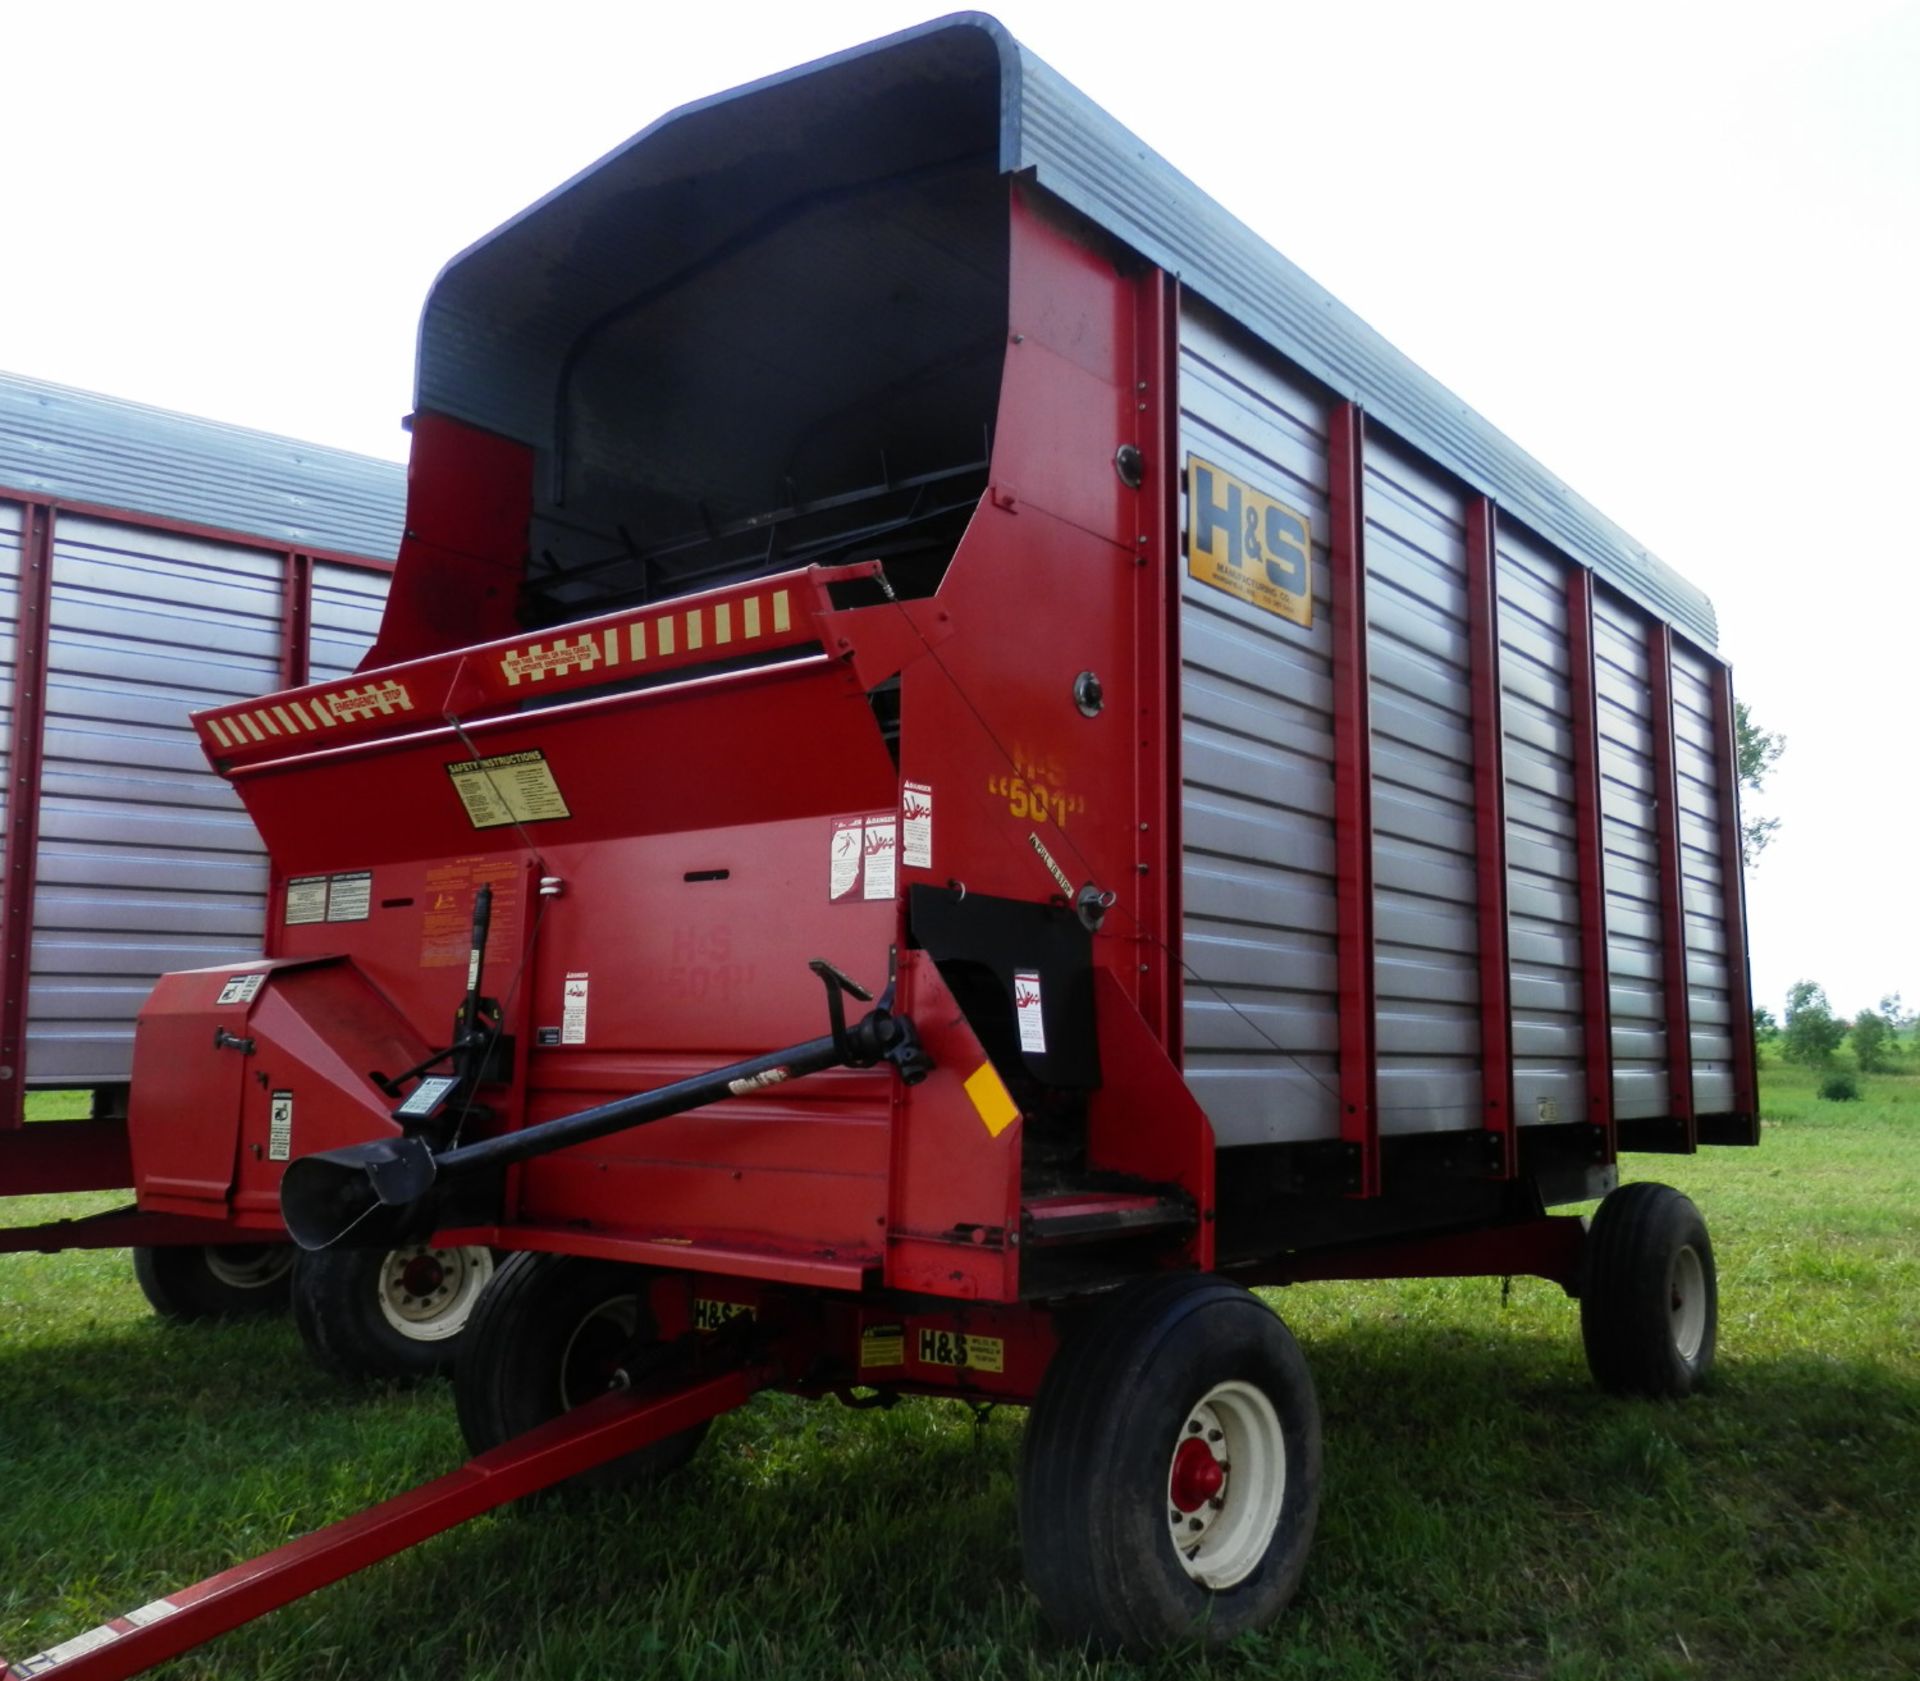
(573, 1009)
(306, 900)
(350, 897)
(864, 853)
(1248, 544)
(916, 826)
(280, 1127)
(1026, 1011)
(508, 788)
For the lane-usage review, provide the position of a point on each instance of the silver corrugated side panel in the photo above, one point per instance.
(147, 861)
(1631, 838)
(1543, 850)
(345, 619)
(1710, 991)
(1425, 881)
(1256, 744)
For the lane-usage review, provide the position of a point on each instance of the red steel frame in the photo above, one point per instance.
(1353, 795)
(1673, 885)
(1726, 753)
(1490, 833)
(1595, 984)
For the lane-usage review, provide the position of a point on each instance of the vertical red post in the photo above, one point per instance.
(1156, 399)
(1673, 885)
(1596, 997)
(26, 752)
(1490, 835)
(1353, 795)
(1726, 759)
(296, 619)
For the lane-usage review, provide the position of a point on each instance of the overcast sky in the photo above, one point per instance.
(1672, 249)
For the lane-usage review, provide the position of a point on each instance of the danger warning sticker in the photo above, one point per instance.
(864, 852)
(1026, 1011)
(916, 825)
(573, 1009)
(508, 788)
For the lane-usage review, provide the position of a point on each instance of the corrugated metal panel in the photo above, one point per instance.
(147, 862)
(1704, 896)
(1543, 855)
(1426, 887)
(1632, 839)
(498, 326)
(1262, 1002)
(81, 447)
(345, 619)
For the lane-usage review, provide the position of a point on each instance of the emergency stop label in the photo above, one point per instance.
(508, 788)
(1249, 544)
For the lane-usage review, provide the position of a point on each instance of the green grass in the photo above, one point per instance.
(1487, 1514)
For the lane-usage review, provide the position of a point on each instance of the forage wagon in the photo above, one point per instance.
(959, 767)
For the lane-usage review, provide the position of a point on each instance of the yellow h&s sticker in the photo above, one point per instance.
(1251, 545)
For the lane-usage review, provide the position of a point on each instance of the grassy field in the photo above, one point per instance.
(1487, 1514)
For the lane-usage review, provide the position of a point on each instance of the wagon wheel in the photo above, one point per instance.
(1170, 1479)
(550, 1333)
(370, 1313)
(1650, 1302)
(216, 1280)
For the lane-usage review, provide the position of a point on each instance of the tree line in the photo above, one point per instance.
(1882, 1040)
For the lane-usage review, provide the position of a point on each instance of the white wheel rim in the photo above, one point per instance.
(428, 1294)
(1687, 1302)
(1220, 1537)
(246, 1266)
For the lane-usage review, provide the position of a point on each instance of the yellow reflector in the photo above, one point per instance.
(990, 1098)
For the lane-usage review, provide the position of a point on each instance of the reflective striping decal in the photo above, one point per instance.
(750, 617)
(781, 622)
(218, 732)
(280, 712)
(307, 718)
(247, 724)
(722, 623)
(663, 635)
(612, 642)
(991, 1100)
(637, 640)
(265, 721)
(693, 629)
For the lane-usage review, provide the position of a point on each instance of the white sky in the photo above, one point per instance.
(1672, 249)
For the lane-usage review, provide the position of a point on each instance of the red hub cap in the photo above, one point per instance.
(1197, 1476)
(422, 1276)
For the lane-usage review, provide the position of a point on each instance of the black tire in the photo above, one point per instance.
(1649, 1301)
(1101, 1467)
(186, 1281)
(551, 1332)
(375, 1313)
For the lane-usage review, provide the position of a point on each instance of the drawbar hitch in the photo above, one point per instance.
(380, 1192)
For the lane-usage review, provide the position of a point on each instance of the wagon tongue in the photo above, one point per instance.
(382, 1192)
